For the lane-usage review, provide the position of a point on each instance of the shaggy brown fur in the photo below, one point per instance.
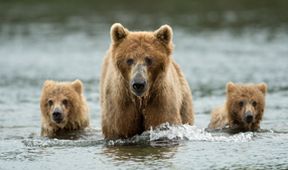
(65, 99)
(243, 101)
(145, 57)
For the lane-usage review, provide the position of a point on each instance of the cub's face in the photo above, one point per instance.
(246, 105)
(58, 106)
(141, 57)
(58, 101)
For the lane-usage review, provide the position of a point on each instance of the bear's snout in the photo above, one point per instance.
(138, 86)
(57, 115)
(138, 83)
(248, 117)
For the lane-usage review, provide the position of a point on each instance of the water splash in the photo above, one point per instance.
(163, 135)
(192, 133)
(166, 134)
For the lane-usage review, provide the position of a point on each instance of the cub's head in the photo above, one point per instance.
(245, 105)
(141, 57)
(59, 100)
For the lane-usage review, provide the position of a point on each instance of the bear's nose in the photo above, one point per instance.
(139, 86)
(248, 117)
(57, 116)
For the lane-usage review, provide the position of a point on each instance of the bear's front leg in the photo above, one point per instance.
(122, 123)
(157, 114)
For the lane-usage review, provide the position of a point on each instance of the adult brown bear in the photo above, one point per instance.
(141, 85)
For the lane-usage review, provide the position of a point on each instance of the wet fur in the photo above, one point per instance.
(77, 118)
(168, 98)
(231, 115)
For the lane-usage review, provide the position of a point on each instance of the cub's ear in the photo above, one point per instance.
(262, 87)
(230, 87)
(164, 34)
(48, 83)
(118, 32)
(78, 86)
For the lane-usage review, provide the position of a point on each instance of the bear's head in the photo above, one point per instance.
(245, 104)
(141, 57)
(60, 100)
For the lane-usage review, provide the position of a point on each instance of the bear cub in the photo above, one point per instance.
(243, 109)
(63, 108)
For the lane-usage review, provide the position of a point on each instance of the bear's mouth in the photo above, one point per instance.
(138, 93)
(59, 120)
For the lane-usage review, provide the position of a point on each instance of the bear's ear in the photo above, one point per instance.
(78, 86)
(262, 87)
(164, 34)
(230, 87)
(118, 32)
(48, 83)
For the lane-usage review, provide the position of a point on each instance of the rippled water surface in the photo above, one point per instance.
(215, 42)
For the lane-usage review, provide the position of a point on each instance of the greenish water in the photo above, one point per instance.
(215, 42)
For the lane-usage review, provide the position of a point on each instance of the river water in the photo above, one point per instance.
(215, 42)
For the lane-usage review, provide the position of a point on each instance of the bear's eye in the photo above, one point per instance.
(50, 103)
(241, 103)
(130, 61)
(254, 103)
(148, 61)
(65, 102)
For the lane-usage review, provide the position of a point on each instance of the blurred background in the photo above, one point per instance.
(216, 41)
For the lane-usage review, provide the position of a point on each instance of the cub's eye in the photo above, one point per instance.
(65, 102)
(241, 103)
(254, 103)
(148, 61)
(130, 61)
(50, 103)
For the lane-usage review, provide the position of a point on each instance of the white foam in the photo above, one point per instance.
(192, 133)
(163, 135)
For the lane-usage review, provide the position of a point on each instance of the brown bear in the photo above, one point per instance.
(243, 109)
(63, 107)
(141, 85)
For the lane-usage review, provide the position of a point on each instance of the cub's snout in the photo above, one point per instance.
(57, 115)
